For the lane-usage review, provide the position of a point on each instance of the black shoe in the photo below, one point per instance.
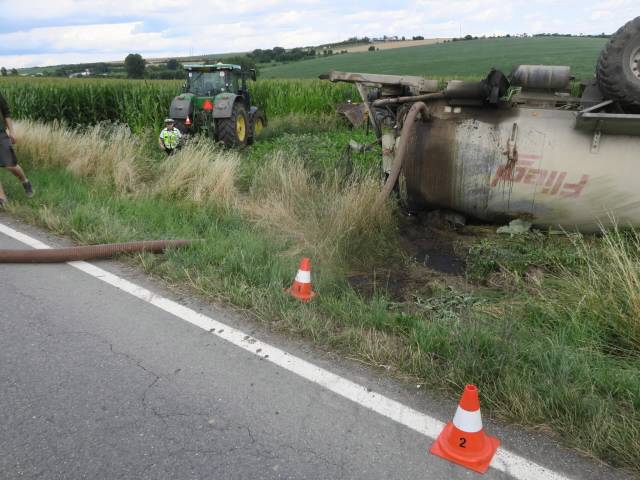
(3, 202)
(28, 189)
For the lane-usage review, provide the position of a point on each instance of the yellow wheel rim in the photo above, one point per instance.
(241, 127)
(258, 126)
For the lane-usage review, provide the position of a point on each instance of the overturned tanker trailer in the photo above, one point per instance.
(517, 146)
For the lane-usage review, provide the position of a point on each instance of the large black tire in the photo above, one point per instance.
(229, 130)
(618, 68)
(258, 122)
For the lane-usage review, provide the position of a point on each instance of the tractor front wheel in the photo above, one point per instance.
(234, 131)
(259, 122)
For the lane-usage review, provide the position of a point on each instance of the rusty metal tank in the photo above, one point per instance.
(552, 166)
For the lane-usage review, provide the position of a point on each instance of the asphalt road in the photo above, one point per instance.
(98, 384)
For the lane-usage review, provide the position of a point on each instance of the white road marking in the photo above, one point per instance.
(504, 460)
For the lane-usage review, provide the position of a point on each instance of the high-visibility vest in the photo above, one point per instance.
(170, 138)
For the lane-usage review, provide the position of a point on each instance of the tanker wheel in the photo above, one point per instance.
(234, 131)
(618, 68)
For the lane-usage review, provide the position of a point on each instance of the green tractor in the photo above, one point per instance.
(216, 102)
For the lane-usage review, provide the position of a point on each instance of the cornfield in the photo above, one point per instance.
(143, 104)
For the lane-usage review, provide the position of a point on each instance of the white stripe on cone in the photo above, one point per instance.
(467, 421)
(303, 276)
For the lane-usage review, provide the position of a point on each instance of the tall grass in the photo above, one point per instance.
(107, 153)
(201, 173)
(330, 217)
(334, 219)
(599, 299)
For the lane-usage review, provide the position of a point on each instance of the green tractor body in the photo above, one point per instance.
(216, 102)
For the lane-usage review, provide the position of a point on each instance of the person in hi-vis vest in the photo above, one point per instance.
(169, 137)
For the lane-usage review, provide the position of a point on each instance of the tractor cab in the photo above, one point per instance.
(210, 80)
(215, 101)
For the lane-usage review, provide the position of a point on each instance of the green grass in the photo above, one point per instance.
(545, 326)
(468, 59)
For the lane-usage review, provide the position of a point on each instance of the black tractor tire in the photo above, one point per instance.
(229, 130)
(258, 122)
(618, 69)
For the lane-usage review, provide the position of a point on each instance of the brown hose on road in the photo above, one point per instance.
(88, 252)
(401, 150)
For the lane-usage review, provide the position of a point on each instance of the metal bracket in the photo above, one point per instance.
(512, 145)
(362, 90)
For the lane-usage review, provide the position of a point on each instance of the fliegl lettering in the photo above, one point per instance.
(553, 182)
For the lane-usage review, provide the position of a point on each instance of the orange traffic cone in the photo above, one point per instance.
(463, 441)
(301, 287)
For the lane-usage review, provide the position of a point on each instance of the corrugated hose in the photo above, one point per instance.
(88, 252)
(401, 150)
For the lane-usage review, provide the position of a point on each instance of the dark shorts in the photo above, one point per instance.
(7, 154)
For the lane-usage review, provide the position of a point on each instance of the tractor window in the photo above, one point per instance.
(207, 83)
(234, 86)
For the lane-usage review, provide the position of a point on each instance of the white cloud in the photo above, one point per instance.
(57, 32)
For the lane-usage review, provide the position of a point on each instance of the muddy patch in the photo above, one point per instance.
(429, 250)
(432, 244)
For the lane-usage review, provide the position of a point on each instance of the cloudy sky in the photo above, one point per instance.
(49, 32)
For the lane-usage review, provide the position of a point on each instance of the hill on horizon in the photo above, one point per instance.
(462, 59)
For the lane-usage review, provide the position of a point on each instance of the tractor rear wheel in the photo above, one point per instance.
(618, 68)
(234, 131)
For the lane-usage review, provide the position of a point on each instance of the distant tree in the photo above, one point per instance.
(372, 48)
(468, 37)
(3, 72)
(245, 62)
(403, 39)
(14, 72)
(417, 37)
(134, 65)
(172, 64)
(278, 52)
(100, 68)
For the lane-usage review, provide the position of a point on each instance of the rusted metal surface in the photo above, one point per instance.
(356, 113)
(88, 252)
(542, 77)
(417, 85)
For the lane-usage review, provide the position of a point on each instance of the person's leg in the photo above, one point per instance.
(3, 197)
(26, 184)
(18, 172)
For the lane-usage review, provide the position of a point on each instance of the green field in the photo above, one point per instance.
(471, 58)
(143, 104)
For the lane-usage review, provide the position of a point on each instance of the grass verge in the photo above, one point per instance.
(546, 326)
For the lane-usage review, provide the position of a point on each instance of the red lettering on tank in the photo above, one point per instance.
(553, 181)
(535, 176)
(573, 190)
(558, 184)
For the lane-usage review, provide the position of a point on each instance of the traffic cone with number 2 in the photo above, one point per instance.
(463, 441)
(301, 287)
